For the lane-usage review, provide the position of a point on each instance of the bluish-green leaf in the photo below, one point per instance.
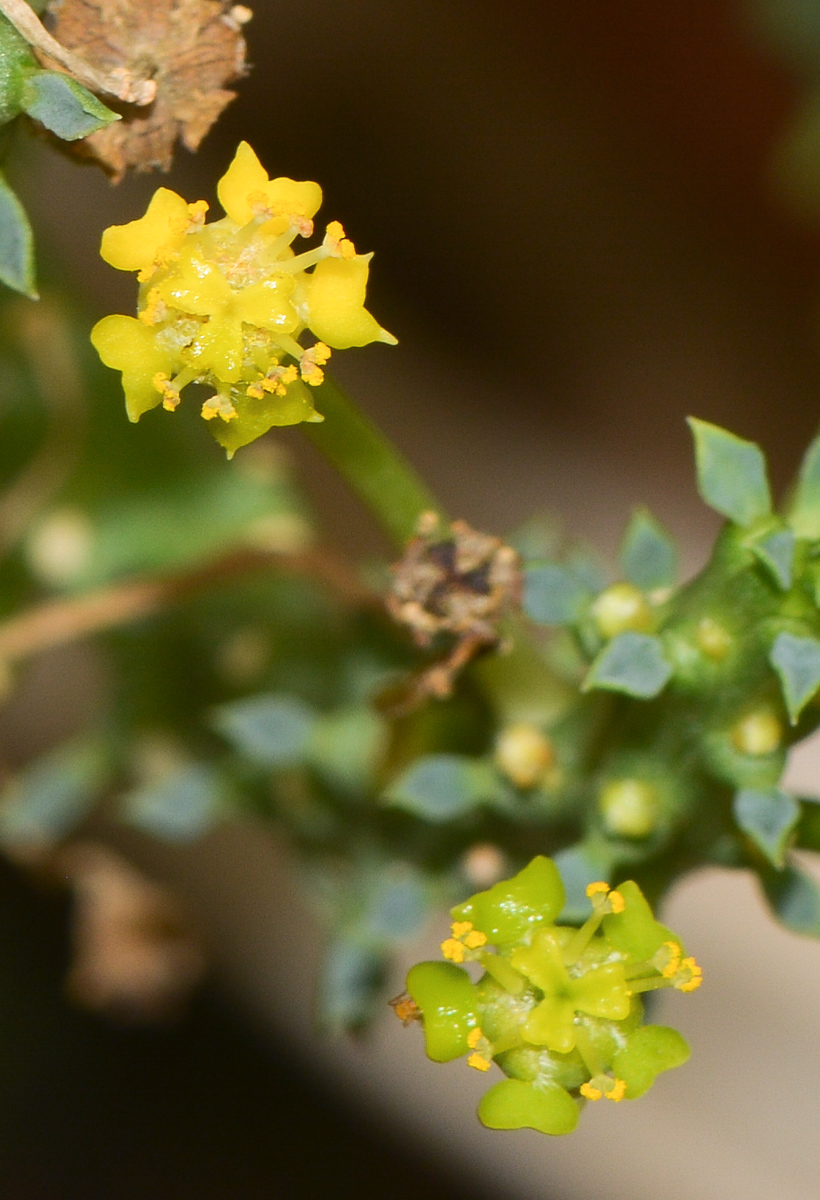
(632, 663)
(797, 662)
(16, 244)
(270, 730)
(397, 903)
(180, 807)
(769, 818)
(776, 553)
(795, 900)
(649, 557)
(350, 982)
(64, 106)
(553, 594)
(579, 866)
(804, 515)
(443, 787)
(808, 829)
(49, 798)
(731, 473)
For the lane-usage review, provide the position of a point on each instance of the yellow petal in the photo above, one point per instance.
(127, 345)
(267, 304)
(195, 286)
(288, 198)
(243, 177)
(136, 245)
(247, 179)
(335, 294)
(218, 350)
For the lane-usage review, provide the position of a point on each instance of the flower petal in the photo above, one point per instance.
(257, 416)
(516, 1104)
(335, 294)
(138, 244)
(127, 345)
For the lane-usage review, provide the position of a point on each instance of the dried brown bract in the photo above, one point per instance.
(190, 48)
(453, 580)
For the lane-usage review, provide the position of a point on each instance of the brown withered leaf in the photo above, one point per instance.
(191, 48)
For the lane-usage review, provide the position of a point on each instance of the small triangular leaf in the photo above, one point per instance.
(769, 818)
(795, 899)
(579, 866)
(270, 730)
(16, 244)
(797, 662)
(804, 515)
(632, 663)
(52, 795)
(180, 807)
(553, 594)
(731, 473)
(648, 557)
(776, 553)
(443, 787)
(64, 106)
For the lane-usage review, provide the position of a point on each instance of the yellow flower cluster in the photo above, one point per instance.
(225, 304)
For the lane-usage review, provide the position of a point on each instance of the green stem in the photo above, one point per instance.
(373, 467)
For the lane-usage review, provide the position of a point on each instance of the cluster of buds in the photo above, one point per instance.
(558, 1009)
(225, 304)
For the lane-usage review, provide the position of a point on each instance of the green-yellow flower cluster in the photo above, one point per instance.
(558, 1009)
(225, 304)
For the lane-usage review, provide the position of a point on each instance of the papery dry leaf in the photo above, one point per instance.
(191, 48)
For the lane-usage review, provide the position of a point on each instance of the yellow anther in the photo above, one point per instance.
(256, 391)
(170, 395)
(689, 976)
(153, 310)
(337, 243)
(617, 1091)
(479, 1062)
(595, 889)
(617, 901)
(219, 406)
(321, 353)
(475, 939)
(674, 959)
(336, 231)
(311, 363)
(453, 950)
(590, 1092)
(474, 1037)
(461, 928)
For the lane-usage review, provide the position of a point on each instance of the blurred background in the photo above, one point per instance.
(590, 221)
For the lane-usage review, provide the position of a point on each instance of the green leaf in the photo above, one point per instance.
(443, 787)
(64, 106)
(808, 829)
(49, 798)
(16, 62)
(270, 730)
(804, 514)
(648, 557)
(795, 900)
(16, 244)
(769, 818)
(350, 985)
(731, 473)
(180, 807)
(553, 594)
(797, 662)
(397, 904)
(347, 746)
(632, 663)
(517, 1104)
(776, 553)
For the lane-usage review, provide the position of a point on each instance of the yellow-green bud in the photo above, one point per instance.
(758, 733)
(712, 639)
(620, 608)
(629, 807)
(524, 753)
